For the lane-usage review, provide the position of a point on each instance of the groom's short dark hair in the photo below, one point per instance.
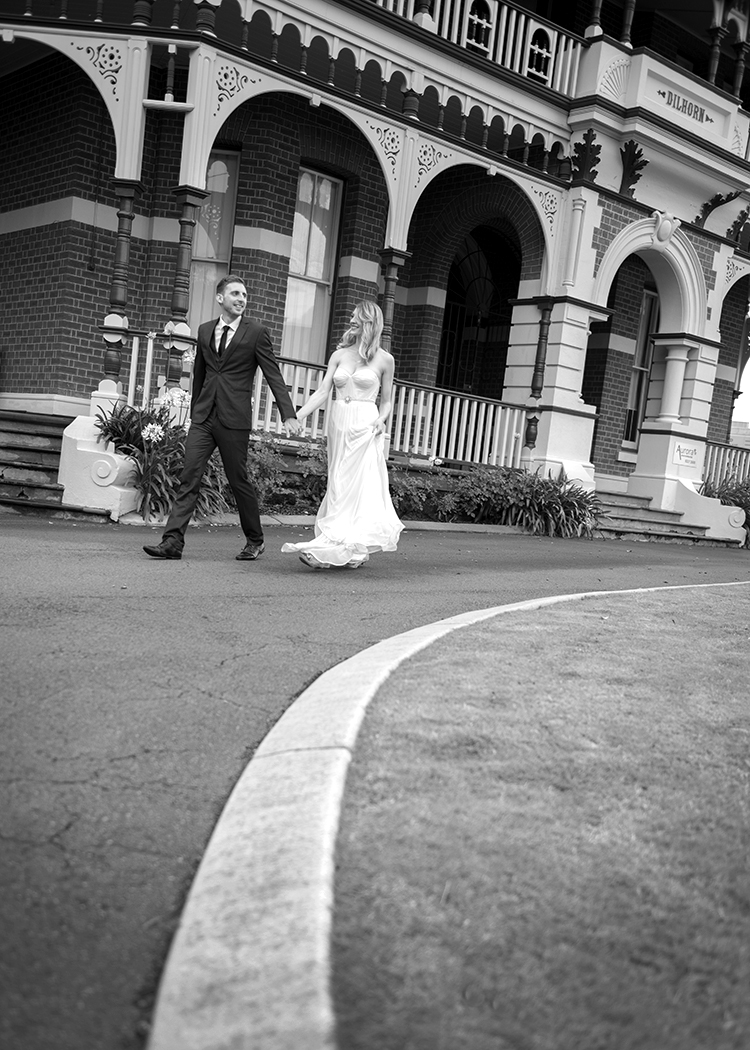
(230, 278)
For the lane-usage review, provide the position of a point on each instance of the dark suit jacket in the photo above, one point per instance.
(228, 383)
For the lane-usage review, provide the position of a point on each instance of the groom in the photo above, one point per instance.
(227, 354)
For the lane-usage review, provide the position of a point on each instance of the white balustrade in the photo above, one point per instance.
(504, 34)
(425, 422)
(724, 462)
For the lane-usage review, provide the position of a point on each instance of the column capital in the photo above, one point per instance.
(127, 187)
(190, 195)
(394, 256)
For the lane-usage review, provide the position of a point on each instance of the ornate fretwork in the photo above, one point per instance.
(107, 60)
(735, 268)
(737, 143)
(548, 202)
(230, 81)
(428, 156)
(614, 81)
(390, 142)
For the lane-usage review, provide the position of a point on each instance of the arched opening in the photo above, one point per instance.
(620, 367)
(483, 277)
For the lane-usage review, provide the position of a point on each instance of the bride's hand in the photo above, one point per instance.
(379, 427)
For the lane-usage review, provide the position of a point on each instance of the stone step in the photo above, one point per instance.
(23, 456)
(56, 511)
(33, 474)
(42, 491)
(658, 517)
(25, 439)
(659, 536)
(623, 499)
(33, 423)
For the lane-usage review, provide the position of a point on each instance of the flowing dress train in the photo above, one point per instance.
(356, 517)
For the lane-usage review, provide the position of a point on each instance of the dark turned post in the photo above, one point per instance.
(393, 260)
(717, 34)
(205, 19)
(190, 199)
(739, 68)
(142, 12)
(118, 293)
(537, 378)
(627, 22)
(595, 21)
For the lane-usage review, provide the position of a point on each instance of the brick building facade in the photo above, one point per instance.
(514, 220)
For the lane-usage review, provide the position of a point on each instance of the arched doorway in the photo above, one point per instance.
(483, 278)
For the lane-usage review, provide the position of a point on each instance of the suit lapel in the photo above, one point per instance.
(237, 338)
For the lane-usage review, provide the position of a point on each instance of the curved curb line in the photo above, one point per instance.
(249, 965)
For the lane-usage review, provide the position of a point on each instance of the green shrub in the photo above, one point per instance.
(266, 470)
(510, 496)
(157, 447)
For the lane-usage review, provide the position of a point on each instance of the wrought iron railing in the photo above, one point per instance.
(724, 462)
(425, 422)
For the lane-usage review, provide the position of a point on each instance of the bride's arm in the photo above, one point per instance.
(386, 394)
(321, 394)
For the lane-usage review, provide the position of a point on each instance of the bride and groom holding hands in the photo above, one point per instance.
(356, 516)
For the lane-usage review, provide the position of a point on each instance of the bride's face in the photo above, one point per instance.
(355, 322)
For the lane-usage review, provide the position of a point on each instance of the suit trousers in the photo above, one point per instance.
(202, 439)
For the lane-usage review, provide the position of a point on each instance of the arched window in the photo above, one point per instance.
(479, 28)
(540, 56)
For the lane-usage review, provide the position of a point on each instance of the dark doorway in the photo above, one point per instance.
(483, 278)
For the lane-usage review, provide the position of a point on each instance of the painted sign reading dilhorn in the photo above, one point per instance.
(686, 107)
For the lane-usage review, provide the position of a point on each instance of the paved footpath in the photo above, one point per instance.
(135, 692)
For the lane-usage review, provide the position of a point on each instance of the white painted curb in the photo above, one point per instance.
(249, 965)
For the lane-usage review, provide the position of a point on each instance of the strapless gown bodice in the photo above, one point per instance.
(361, 385)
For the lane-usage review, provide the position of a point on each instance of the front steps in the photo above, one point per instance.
(631, 518)
(30, 445)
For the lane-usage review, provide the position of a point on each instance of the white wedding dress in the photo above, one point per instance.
(356, 516)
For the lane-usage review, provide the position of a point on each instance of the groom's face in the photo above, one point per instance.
(233, 300)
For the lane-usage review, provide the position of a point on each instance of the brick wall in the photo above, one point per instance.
(732, 327)
(60, 144)
(607, 373)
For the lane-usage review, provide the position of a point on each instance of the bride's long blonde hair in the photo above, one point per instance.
(370, 317)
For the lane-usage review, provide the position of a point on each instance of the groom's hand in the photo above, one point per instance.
(293, 426)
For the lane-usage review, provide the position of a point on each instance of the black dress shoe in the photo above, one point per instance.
(251, 551)
(164, 550)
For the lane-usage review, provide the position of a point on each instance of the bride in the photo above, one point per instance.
(356, 516)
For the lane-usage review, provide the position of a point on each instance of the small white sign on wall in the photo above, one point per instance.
(685, 455)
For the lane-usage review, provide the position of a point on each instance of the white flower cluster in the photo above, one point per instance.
(153, 432)
(176, 395)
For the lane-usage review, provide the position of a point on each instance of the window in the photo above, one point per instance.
(212, 238)
(641, 374)
(479, 24)
(311, 268)
(540, 54)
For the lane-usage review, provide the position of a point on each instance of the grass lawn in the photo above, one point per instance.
(545, 841)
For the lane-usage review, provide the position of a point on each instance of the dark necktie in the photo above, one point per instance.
(223, 341)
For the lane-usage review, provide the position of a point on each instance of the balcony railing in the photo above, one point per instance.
(502, 33)
(725, 461)
(426, 422)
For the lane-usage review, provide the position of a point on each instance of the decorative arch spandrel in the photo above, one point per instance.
(119, 69)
